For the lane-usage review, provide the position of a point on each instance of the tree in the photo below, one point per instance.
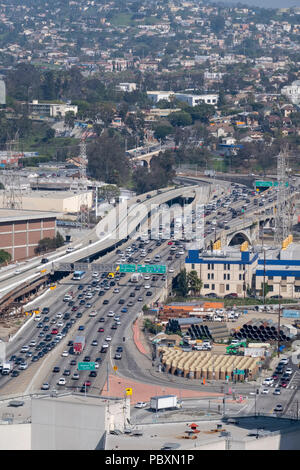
(5, 257)
(70, 119)
(161, 130)
(180, 284)
(109, 192)
(107, 161)
(195, 283)
(180, 118)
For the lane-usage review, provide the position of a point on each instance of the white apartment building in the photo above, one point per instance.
(292, 92)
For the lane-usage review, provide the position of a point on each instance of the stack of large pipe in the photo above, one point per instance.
(263, 331)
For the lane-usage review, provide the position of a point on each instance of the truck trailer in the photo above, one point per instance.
(78, 344)
(164, 402)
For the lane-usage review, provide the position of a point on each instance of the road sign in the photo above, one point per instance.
(86, 365)
(115, 368)
(128, 391)
(153, 269)
(127, 268)
(239, 372)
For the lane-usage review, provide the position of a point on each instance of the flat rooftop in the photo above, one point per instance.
(11, 215)
(155, 436)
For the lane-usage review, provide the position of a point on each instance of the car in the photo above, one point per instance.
(233, 295)
(288, 371)
(268, 381)
(93, 373)
(65, 354)
(130, 303)
(54, 331)
(275, 376)
(62, 381)
(283, 384)
(111, 313)
(108, 338)
(87, 383)
(114, 326)
(284, 361)
(67, 372)
(119, 349)
(23, 366)
(149, 293)
(147, 286)
(141, 404)
(105, 301)
(118, 356)
(94, 342)
(86, 358)
(124, 310)
(277, 391)
(100, 330)
(122, 301)
(45, 386)
(265, 391)
(278, 408)
(75, 376)
(56, 369)
(81, 328)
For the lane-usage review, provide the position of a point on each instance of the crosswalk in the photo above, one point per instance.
(295, 381)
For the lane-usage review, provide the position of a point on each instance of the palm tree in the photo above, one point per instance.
(195, 283)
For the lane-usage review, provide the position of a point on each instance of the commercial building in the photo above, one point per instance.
(128, 87)
(55, 201)
(51, 109)
(190, 99)
(194, 100)
(230, 271)
(292, 92)
(280, 270)
(21, 231)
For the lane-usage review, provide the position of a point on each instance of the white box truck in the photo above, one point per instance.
(164, 402)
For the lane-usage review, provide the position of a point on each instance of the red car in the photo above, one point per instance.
(283, 384)
(54, 331)
(101, 330)
(170, 243)
(87, 383)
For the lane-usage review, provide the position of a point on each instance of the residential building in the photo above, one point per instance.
(230, 271)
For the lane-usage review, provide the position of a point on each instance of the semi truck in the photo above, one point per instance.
(78, 345)
(164, 402)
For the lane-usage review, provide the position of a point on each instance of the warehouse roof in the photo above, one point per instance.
(12, 215)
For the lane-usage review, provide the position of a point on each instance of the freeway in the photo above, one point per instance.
(108, 232)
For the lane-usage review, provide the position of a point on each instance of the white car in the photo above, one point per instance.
(108, 338)
(171, 270)
(60, 323)
(269, 381)
(277, 391)
(37, 317)
(265, 391)
(111, 313)
(288, 371)
(59, 315)
(62, 381)
(284, 361)
(147, 286)
(32, 343)
(59, 336)
(65, 354)
(141, 404)
(116, 291)
(24, 349)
